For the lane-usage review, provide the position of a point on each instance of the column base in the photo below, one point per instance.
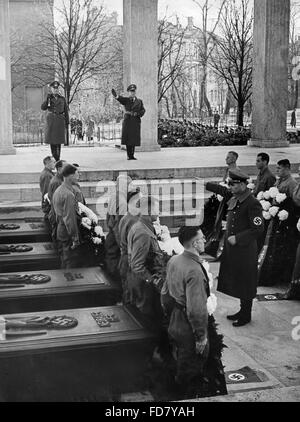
(144, 148)
(268, 143)
(148, 148)
(9, 150)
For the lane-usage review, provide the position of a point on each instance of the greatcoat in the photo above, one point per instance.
(131, 128)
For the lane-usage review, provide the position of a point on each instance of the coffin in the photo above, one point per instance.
(28, 231)
(85, 362)
(42, 256)
(67, 289)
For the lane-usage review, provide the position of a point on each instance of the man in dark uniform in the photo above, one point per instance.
(65, 208)
(265, 179)
(217, 118)
(293, 118)
(131, 129)
(57, 120)
(238, 275)
(45, 179)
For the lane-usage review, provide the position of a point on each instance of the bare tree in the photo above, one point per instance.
(171, 56)
(232, 57)
(206, 43)
(82, 40)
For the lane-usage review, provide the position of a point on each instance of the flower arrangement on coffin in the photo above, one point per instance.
(273, 203)
(90, 231)
(167, 244)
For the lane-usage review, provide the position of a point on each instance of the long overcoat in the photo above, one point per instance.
(238, 270)
(131, 128)
(57, 119)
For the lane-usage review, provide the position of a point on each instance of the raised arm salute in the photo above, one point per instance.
(131, 128)
(57, 120)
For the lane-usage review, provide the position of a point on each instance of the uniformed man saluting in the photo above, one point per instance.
(131, 129)
(238, 270)
(57, 120)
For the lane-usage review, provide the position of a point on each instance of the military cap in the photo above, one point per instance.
(68, 170)
(55, 84)
(131, 87)
(238, 175)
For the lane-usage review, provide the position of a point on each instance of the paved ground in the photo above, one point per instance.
(29, 159)
(265, 345)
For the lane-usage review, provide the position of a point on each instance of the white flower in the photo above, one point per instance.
(265, 205)
(177, 246)
(267, 215)
(267, 195)
(157, 229)
(274, 211)
(209, 274)
(220, 198)
(251, 186)
(99, 231)
(260, 196)
(89, 213)
(211, 304)
(165, 136)
(298, 225)
(166, 247)
(205, 265)
(86, 222)
(280, 197)
(283, 215)
(46, 198)
(273, 192)
(97, 240)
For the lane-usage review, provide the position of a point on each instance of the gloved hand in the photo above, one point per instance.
(113, 91)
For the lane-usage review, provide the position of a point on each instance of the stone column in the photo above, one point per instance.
(270, 73)
(6, 144)
(140, 62)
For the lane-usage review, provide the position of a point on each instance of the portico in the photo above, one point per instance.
(270, 84)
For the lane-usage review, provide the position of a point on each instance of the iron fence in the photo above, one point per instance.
(32, 134)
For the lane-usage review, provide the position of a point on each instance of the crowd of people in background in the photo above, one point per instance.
(188, 133)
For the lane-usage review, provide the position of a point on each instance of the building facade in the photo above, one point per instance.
(31, 70)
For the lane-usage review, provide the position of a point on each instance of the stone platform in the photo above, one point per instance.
(102, 163)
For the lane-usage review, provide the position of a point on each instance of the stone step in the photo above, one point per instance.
(30, 192)
(169, 207)
(95, 175)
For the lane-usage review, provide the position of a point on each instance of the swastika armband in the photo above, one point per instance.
(257, 221)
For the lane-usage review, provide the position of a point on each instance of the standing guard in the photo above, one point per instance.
(57, 120)
(238, 274)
